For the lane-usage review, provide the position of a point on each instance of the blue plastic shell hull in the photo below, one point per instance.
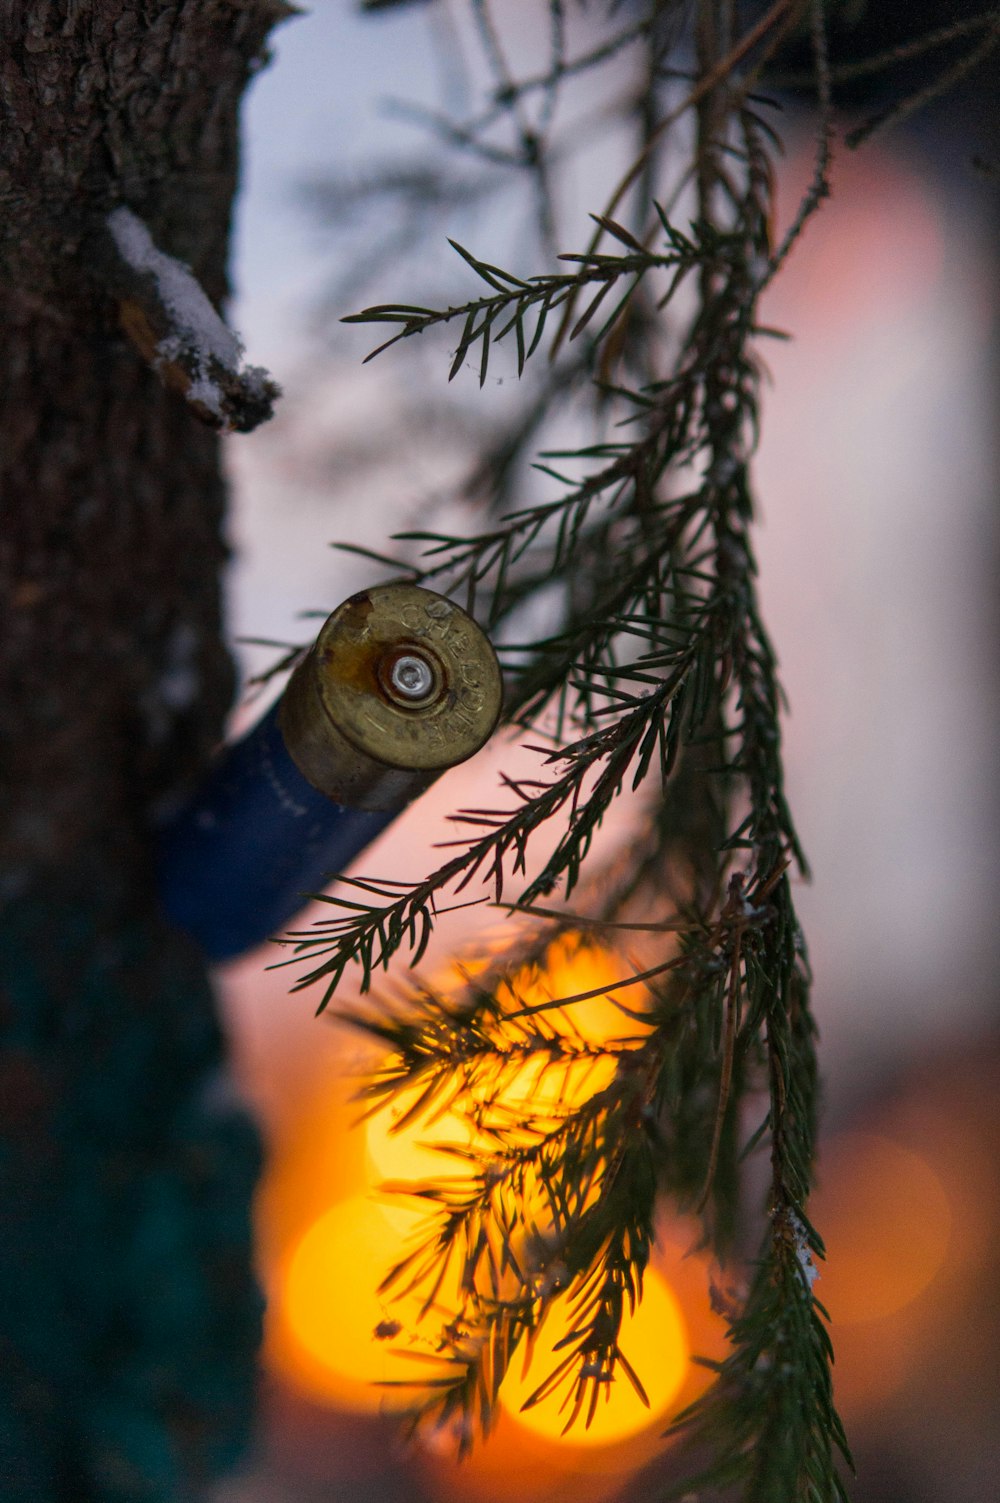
(240, 861)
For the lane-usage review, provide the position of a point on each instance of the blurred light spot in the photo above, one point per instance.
(881, 254)
(536, 1086)
(655, 1342)
(410, 1153)
(886, 1220)
(325, 1309)
(573, 965)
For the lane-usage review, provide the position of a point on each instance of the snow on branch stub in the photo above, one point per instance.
(170, 319)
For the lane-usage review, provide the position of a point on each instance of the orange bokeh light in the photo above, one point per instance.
(324, 1307)
(886, 1219)
(410, 1154)
(654, 1339)
(533, 1087)
(323, 1319)
(574, 965)
(536, 1465)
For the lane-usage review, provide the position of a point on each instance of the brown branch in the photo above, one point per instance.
(170, 320)
(782, 11)
(897, 113)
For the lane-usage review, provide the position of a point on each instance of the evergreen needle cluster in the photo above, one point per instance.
(655, 682)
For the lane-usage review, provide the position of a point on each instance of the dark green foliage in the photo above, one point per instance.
(488, 320)
(655, 677)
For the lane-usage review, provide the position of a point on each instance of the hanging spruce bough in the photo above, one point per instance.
(656, 678)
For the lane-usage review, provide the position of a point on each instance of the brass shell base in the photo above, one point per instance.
(348, 725)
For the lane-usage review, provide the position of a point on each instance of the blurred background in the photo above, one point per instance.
(878, 549)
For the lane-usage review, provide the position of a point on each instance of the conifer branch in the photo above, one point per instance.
(655, 678)
(514, 299)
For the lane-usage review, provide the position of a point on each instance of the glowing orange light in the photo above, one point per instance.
(573, 966)
(536, 1085)
(655, 1342)
(886, 1219)
(325, 1309)
(536, 1466)
(410, 1154)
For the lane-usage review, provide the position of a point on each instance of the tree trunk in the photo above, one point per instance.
(128, 1313)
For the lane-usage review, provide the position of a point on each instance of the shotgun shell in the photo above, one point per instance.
(399, 685)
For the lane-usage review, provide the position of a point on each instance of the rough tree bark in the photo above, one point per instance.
(128, 1312)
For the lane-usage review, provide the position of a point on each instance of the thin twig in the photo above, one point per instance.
(897, 113)
(726, 1070)
(892, 56)
(819, 188)
(780, 10)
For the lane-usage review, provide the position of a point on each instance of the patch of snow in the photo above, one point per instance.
(196, 321)
(257, 381)
(205, 392)
(803, 1252)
